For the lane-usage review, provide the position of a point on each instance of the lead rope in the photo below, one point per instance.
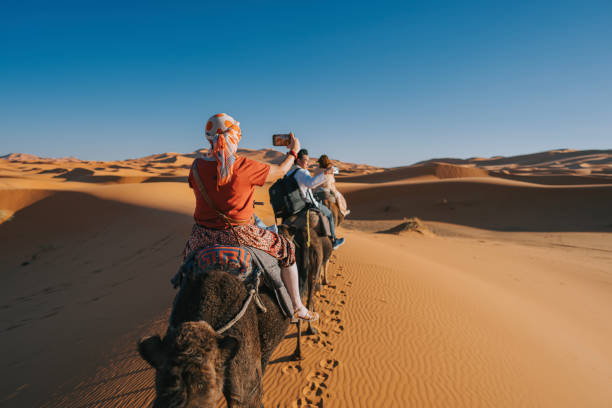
(240, 313)
(253, 293)
(308, 228)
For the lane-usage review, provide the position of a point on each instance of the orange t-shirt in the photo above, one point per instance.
(234, 199)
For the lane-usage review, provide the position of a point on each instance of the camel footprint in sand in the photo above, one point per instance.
(316, 391)
(292, 369)
(320, 341)
(332, 312)
(328, 364)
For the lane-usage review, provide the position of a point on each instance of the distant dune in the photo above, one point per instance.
(562, 166)
(555, 167)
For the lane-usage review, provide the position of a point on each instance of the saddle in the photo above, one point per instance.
(246, 263)
(323, 195)
(315, 219)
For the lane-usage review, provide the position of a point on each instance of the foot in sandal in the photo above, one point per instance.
(306, 315)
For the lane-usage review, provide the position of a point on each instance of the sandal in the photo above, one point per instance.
(308, 317)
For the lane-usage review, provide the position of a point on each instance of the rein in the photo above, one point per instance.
(241, 313)
(253, 293)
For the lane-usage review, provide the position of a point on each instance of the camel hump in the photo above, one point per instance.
(298, 221)
(317, 221)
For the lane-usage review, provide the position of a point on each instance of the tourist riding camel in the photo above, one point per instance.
(306, 182)
(225, 217)
(329, 186)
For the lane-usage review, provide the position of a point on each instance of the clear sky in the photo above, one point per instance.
(384, 83)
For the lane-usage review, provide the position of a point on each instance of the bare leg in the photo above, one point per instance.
(289, 275)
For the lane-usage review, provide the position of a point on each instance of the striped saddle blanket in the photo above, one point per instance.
(237, 259)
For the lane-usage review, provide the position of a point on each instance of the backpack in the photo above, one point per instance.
(285, 196)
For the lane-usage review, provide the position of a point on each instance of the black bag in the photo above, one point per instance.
(285, 196)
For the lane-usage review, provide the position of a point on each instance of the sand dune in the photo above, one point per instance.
(429, 171)
(503, 302)
(489, 204)
(550, 167)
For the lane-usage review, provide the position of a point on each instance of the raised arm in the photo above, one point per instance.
(304, 178)
(279, 170)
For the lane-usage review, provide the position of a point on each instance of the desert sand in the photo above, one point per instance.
(498, 295)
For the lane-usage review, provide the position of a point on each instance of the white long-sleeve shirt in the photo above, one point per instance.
(306, 183)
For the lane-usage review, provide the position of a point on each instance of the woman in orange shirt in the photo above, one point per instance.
(230, 182)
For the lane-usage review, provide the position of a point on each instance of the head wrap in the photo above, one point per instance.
(223, 132)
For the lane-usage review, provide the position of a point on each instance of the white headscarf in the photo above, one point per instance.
(224, 133)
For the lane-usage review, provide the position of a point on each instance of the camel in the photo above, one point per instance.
(312, 255)
(194, 364)
(333, 206)
(330, 202)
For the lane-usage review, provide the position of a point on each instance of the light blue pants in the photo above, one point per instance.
(330, 216)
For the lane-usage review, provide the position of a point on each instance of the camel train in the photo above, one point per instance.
(196, 364)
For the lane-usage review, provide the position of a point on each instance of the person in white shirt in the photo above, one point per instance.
(306, 182)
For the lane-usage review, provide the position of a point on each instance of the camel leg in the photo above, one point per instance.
(242, 386)
(297, 354)
(324, 281)
(312, 280)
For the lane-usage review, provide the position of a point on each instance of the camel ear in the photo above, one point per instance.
(228, 347)
(287, 231)
(291, 231)
(151, 350)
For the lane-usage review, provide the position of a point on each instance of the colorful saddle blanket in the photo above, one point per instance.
(238, 259)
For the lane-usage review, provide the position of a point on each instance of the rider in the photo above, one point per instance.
(306, 182)
(329, 186)
(229, 181)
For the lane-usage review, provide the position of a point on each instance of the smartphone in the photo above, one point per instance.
(281, 139)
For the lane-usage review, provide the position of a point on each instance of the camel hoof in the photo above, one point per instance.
(297, 356)
(310, 331)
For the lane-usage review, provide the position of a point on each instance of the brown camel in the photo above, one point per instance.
(312, 254)
(333, 206)
(194, 364)
(329, 201)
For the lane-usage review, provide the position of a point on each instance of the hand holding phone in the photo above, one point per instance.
(281, 139)
(286, 139)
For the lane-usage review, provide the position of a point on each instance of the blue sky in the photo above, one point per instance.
(384, 83)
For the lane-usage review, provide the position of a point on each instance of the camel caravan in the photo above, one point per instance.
(241, 284)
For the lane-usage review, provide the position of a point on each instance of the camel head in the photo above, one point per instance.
(287, 231)
(190, 363)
